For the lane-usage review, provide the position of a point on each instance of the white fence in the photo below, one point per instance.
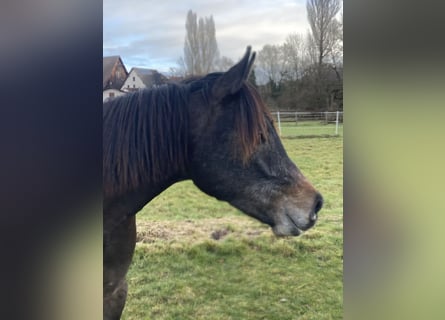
(309, 123)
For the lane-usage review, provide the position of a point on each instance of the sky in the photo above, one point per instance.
(151, 33)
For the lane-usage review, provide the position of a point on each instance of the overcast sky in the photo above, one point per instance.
(150, 33)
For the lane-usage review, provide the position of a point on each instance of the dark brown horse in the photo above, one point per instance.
(214, 130)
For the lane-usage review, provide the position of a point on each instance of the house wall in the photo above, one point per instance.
(131, 84)
(108, 94)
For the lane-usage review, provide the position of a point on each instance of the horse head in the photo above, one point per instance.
(236, 154)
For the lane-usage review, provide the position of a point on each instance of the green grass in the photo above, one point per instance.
(180, 271)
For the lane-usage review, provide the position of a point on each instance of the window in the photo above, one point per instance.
(128, 86)
(134, 79)
(111, 95)
(134, 86)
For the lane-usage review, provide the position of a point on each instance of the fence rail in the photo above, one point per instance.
(309, 123)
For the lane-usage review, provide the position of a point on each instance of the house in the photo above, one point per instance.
(114, 75)
(140, 78)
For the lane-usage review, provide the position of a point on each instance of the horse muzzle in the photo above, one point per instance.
(292, 221)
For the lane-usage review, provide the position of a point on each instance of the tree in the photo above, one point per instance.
(271, 67)
(271, 62)
(293, 55)
(322, 42)
(200, 47)
(321, 16)
(306, 71)
(336, 54)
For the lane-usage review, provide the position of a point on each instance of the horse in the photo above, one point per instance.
(214, 130)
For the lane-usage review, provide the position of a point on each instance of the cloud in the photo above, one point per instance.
(151, 33)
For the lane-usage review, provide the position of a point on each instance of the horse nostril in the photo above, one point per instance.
(318, 203)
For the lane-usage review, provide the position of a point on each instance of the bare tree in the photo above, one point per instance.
(294, 56)
(336, 54)
(322, 41)
(191, 43)
(271, 62)
(321, 15)
(311, 51)
(306, 71)
(271, 72)
(200, 47)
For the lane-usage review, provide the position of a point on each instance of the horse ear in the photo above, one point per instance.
(230, 82)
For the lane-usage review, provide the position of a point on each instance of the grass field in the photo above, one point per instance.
(198, 258)
(309, 128)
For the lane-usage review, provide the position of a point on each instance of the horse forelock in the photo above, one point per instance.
(251, 122)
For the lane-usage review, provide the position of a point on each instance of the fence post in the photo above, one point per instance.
(336, 123)
(279, 121)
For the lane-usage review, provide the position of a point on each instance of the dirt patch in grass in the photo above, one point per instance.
(197, 231)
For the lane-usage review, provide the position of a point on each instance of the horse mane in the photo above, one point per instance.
(138, 128)
(141, 126)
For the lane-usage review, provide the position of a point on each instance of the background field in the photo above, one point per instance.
(199, 258)
(309, 129)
